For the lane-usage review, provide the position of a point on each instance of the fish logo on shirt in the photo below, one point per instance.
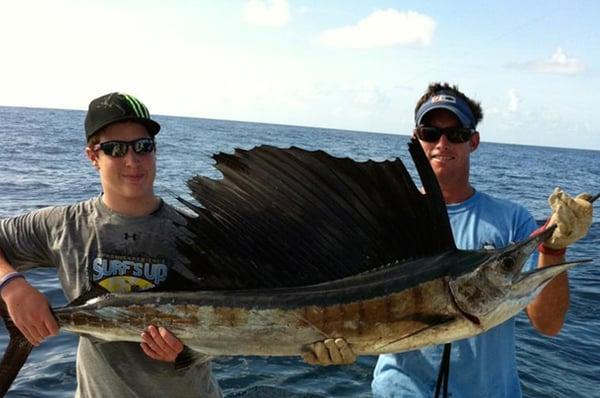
(123, 274)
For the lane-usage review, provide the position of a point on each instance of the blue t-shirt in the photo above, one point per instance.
(481, 366)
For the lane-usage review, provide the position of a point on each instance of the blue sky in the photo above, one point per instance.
(356, 65)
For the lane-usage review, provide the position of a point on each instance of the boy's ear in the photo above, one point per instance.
(474, 141)
(93, 157)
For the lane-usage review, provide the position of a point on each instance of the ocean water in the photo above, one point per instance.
(42, 163)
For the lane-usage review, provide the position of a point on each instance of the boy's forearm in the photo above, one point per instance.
(5, 266)
(8, 274)
(548, 310)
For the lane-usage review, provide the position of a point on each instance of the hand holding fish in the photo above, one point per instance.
(160, 344)
(329, 352)
(573, 217)
(30, 311)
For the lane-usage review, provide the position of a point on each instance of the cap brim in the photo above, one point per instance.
(462, 118)
(151, 126)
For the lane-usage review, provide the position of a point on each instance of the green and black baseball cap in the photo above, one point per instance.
(117, 107)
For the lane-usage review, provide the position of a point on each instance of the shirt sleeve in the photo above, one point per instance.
(25, 239)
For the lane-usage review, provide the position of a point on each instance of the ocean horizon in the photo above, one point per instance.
(285, 125)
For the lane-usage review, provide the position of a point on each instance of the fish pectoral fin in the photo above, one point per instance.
(95, 291)
(189, 357)
(429, 323)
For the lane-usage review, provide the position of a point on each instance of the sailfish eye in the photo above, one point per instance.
(508, 263)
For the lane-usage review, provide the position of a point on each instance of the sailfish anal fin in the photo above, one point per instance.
(16, 353)
(292, 217)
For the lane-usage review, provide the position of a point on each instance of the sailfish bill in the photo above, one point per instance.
(294, 246)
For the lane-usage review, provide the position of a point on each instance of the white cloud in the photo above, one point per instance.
(513, 100)
(383, 28)
(368, 94)
(492, 111)
(274, 13)
(560, 63)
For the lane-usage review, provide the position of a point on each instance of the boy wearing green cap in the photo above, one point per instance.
(122, 240)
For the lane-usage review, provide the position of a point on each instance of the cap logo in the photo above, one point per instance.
(443, 98)
(139, 108)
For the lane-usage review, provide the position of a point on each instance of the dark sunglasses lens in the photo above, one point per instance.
(458, 135)
(119, 148)
(114, 148)
(428, 134)
(144, 145)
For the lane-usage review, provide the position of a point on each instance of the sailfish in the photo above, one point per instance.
(292, 246)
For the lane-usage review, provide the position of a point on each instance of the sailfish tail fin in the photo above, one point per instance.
(16, 353)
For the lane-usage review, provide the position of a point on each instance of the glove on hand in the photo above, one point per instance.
(572, 216)
(329, 352)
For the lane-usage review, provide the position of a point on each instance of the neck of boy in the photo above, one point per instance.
(139, 207)
(454, 195)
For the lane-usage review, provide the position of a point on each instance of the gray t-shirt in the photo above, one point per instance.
(88, 243)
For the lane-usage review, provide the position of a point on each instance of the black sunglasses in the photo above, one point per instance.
(118, 149)
(456, 135)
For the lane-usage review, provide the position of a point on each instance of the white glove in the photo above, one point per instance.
(572, 216)
(329, 352)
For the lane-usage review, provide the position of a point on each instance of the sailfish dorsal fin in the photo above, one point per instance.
(292, 217)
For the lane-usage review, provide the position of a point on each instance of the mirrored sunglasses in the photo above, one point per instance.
(456, 135)
(118, 149)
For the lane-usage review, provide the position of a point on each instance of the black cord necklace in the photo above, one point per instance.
(444, 372)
